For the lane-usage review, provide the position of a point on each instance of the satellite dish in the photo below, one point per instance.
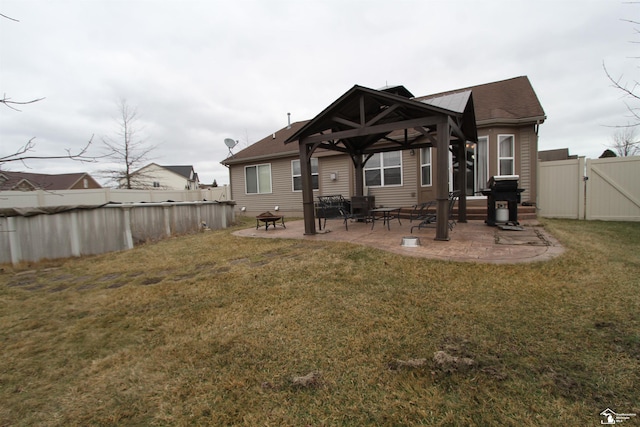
(230, 143)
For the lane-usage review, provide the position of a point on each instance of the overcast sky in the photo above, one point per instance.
(201, 71)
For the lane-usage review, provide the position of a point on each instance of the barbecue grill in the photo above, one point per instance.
(503, 188)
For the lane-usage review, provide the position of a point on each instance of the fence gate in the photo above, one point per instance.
(595, 189)
(613, 189)
(561, 189)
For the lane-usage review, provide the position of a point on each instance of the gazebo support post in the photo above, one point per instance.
(462, 179)
(359, 180)
(307, 188)
(442, 185)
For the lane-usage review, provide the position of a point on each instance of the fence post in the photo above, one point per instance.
(583, 187)
(166, 215)
(128, 238)
(587, 191)
(14, 240)
(74, 235)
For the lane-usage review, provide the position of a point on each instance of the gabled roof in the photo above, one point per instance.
(182, 170)
(361, 117)
(361, 109)
(269, 147)
(510, 101)
(505, 101)
(39, 181)
(185, 171)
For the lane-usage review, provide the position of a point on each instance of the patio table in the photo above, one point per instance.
(387, 214)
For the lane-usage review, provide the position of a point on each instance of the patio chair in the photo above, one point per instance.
(361, 207)
(421, 211)
(332, 207)
(430, 216)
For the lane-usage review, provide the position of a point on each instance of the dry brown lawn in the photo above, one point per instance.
(213, 329)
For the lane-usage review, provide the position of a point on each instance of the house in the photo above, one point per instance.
(556, 154)
(507, 117)
(25, 181)
(154, 176)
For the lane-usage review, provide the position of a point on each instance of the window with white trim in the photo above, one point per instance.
(482, 162)
(384, 169)
(258, 179)
(506, 155)
(296, 174)
(425, 166)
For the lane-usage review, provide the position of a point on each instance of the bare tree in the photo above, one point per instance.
(128, 151)
(23, 153)
(629, 88)
(625, 142)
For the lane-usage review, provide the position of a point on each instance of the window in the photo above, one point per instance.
(258, 179)
(482, 163)
(425, 166)
(85, 183)
(156, 184)
(506, 158)
(383, 169)
(296, 174)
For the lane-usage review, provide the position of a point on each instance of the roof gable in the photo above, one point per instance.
(511, 100)
(361, 107)
(185, 171)
(182, 170)
(269, 147)
(25, 180)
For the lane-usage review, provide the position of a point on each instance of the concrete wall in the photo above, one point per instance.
(109, 228)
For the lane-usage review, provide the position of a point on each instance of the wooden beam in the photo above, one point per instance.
(375, 129)
(456, 130)
(382, 115)
(428, 134)
(442, 182)
(307, 188)
(346, 122)
(332, 147)
(462, 180)
(363, 114)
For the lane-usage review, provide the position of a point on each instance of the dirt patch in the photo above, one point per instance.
(312, 379)
(151, 281)
(527, 236)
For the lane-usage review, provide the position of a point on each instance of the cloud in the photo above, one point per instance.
(202, 71)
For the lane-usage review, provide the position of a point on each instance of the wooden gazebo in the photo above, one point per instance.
(365, 121)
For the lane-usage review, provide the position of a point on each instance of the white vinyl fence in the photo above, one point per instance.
(100, 196)
(593, 189)
(112, 227)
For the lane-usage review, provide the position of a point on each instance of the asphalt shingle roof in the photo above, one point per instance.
(41, 181)
(508, 100)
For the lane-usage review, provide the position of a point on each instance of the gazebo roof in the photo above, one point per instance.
(363, 117)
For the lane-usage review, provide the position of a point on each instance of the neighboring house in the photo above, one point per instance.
(557, 154)
(154, 176)
(508, 114)
(24, 181)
